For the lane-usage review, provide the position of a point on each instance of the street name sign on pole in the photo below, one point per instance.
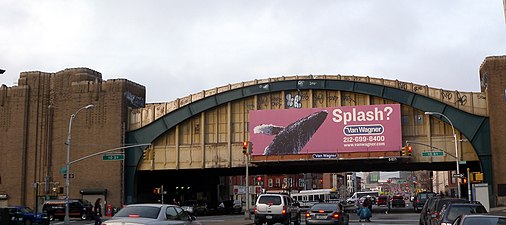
(426, 154)
(458, 175)
(113, 157)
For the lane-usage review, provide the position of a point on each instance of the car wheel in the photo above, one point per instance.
(51, 217)
(84, 216)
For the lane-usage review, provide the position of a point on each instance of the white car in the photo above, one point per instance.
(151, 214)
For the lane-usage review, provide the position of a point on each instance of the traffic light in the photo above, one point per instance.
(410, 150)
(259, 180)
(403, 151)
(245, 145)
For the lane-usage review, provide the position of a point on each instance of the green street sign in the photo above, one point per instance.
(63, 170)
(428, 154)
(113, 157)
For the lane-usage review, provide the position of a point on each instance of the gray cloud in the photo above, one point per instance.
(176, 48)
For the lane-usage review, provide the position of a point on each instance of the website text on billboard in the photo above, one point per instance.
(326, 130)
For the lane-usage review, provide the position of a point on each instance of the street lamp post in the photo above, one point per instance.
(456, 147)
(67, 173)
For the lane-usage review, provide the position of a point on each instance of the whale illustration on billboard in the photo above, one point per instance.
(292, 138)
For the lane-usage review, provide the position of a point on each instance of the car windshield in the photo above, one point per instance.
(485, 221)
(266, 199)
(458, 210)
(26, 210)
(324, 207)
(139, 211)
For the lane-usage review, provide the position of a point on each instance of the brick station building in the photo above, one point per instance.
(34, 125)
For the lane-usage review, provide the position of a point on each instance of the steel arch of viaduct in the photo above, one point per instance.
(475, 128)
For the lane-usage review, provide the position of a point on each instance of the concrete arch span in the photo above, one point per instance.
(475, 128)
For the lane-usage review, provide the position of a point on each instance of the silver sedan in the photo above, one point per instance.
(151, 214)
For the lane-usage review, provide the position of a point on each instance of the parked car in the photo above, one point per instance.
(451, 211)
(28, 215)
(434, 208)
(420, 199)
(327, 213)
(481, 219)
(78, 208)
(276, 208)
(398, 201)
(151, 214)
(231, 207)
(195, 207)
(424, 212)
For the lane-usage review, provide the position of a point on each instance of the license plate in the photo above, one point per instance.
(321, 217)
(268, 217)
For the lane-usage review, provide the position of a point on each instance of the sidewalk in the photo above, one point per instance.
(500, 210)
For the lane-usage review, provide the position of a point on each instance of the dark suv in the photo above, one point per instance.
(78, 208)
(431, 210)
(451, 211)
(421, 198)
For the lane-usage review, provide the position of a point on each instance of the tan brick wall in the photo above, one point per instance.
(40, 107)
(493, 70)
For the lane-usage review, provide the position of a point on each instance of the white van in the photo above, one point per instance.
(359, 194)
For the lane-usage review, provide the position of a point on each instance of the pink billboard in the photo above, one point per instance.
(326, 130)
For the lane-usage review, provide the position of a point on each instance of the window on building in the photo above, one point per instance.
(223, 124)
(302, 183)
(211, 125)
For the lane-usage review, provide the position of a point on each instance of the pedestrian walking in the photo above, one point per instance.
(364, 212)
(97, 209)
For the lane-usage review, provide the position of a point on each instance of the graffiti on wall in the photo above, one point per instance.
(133, 100)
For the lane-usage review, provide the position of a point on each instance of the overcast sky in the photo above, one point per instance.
(176, 48)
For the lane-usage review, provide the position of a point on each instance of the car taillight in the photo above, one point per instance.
(284, 210)
(321, 211)
(336, 215)
(308, 215)
(435, 214)
(418, 200)
(255, 210)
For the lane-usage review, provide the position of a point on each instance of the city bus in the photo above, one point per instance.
(308, 198)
